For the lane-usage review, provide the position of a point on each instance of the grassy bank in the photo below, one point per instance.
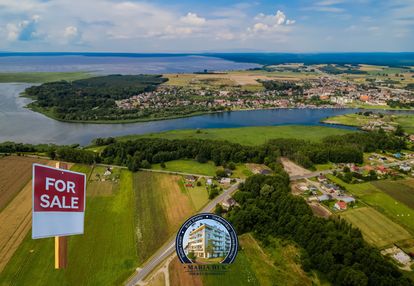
(277, 264)
(41, 77)
(248, 135)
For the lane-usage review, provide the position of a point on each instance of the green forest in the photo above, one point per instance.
(91, 99)
(331, 246)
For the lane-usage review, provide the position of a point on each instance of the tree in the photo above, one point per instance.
(210, 247)
(163, 165)
(231, 166)
(218, 210)
(145, 164)
(220, 173)
(399, 131)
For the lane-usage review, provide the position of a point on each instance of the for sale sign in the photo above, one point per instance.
(58, 202)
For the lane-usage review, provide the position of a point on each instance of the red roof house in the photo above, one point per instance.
(340, 205)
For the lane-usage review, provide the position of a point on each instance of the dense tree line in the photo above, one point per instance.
(64, 153)
(143, 152)
(93, 98)
(155, 150)
(331, 69)
(333, 247)
(282, 86)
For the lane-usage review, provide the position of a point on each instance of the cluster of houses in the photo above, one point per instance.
(335, 92)
(345, 92)
(332, 192)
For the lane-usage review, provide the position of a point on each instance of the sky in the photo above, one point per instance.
(206, 26)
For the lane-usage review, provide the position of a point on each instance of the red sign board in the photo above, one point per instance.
(58, 201)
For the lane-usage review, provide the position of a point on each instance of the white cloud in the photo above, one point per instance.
(24, 30)
(271, 23)
(329, 2)
(70, 32)
(12, 32)
(193, 19)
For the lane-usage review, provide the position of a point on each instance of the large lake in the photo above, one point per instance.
(22, 125)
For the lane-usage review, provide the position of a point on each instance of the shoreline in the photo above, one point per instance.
(129, 121)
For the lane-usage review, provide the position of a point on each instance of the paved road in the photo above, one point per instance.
(169, 247)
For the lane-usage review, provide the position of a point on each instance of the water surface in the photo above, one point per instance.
(23, 125)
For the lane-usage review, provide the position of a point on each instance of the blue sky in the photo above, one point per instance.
(198, 26)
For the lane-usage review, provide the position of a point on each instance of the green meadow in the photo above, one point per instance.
(188, 166)
(120, 230)
(394, 209)
(248, 135)
(105, 255)
(277, 264)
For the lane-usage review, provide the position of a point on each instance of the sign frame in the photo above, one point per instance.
(60, 218)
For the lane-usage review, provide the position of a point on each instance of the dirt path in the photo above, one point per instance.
(293, 169)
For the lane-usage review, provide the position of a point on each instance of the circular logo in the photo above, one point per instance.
(206, 239)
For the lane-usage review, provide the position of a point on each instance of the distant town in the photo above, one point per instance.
(322, 90)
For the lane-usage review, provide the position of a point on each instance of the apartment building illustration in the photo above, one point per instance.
(208, 241)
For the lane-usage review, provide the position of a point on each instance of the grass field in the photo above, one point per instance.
(198, 194)
(40, 77)
(375, 227)
(387, 205)
(15, 221)
(241, 171)
(402, 190)
(188, 166)
(406, 121)
(248, 135)
(277, 264)
(161, 207)
(15, 172)
(105, 255)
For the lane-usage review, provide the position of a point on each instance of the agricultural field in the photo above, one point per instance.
(407, 122)
(15, 218)
(353, 119)
(161, 207)
(402, 76)
(401, 190)
(108, 243)
(248, 135)
(41, 77)
(101, 184)
(15, 173)
(241, 171)
(375, 227)
(188, 166)
(198, 194)
(382, 202)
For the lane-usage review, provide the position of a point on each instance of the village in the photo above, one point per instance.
(321, 92)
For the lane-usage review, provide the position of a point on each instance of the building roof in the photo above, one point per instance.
(341, 205)
(348, 199)
(324, 198)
